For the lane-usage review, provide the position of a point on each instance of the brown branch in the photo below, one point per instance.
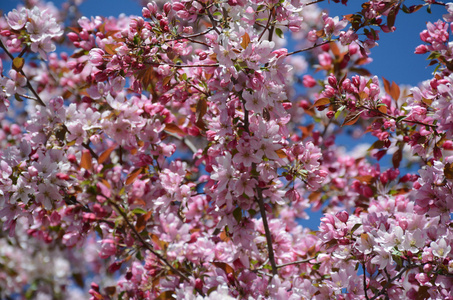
(309, 48)
(364, 281)
(183, 66)
(147, 245)
(213, 21)
(270, 249)
(187, 37)
(313, 2)
(30, 87)
(267, 25)
(387, 285)
(395, 118)
(305, 261)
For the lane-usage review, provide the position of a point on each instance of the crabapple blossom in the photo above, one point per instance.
(172, 154)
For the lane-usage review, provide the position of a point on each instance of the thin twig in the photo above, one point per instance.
(364, 282)
(183, 66)
(147, 245)
(190, 36)
(309, 48)
(395, 118)
(267, 25)
(213, 21)
(387, 285)
(305, 261)
(30, 87)
(314, 2)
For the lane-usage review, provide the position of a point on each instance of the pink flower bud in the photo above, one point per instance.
(177, 6)
(330, 114)
(343, 216)
(198, 284)
(152, 7)
(146, 13)
(167, 8)
(422, 278)
(448, 145)
(308, 81)
(422, 49)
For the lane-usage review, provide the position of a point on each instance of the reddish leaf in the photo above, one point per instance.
(75, 29)
(365, 178)
(224, 236)
(132, 176)
(141, 223)
(85, 161)
(349, 17)
(314, 196)
(225, 267)
(245, 40)
(165, 295)
(363, 95)
(166, 80)
(321, 102)
(396, 158)
(173, 128)
(361, 61)
(202, 107)
(427, 101)
(382, 109)
(415, 8)
(386, 85)
(311, 251)
(110, 290)
(448, 171)
(105, 155)
(351, 118)
(146, 77)
(395, 91)
(111, 48)
(334, 49)
(391, 17)
(320, 33)
(361, 71)
(281, 153)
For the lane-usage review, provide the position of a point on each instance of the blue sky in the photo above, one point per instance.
(394, 59)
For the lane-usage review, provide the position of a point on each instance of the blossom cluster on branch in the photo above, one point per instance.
(170, 155)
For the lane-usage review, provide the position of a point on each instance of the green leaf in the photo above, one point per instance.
(139, 210)
(355, 227)
(400, 118)
(18, 63)
(337, 114)
(279, 33)
(237, 213)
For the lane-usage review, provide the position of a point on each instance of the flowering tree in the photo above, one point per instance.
(171, 155)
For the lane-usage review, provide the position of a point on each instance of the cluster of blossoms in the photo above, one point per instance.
(174, 149)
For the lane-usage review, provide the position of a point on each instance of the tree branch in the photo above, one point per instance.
(270, 248)
(147, 245)
(398, 276)
(309, 48)
(305, 261)
(30, 87)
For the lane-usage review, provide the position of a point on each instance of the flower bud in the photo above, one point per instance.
(343, 216)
